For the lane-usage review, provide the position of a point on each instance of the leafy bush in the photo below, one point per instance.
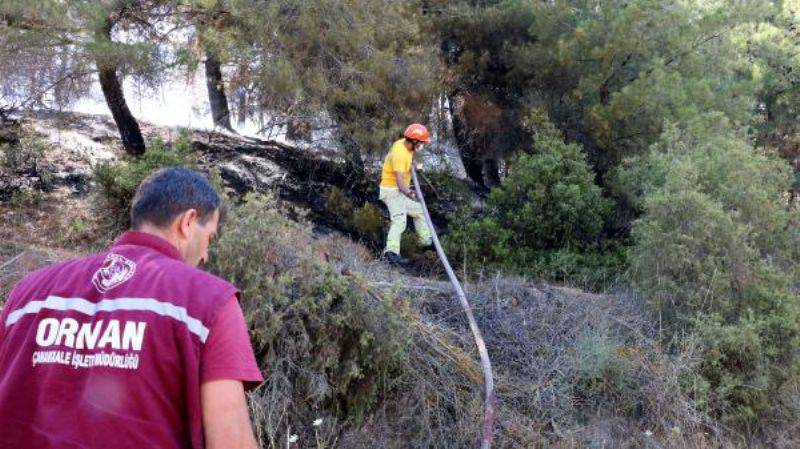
(369, 220)
(601, 374)
(24, 156)
(716, 253)
(327, 346)
(545, 219)
(550, 199)
(366, 223)
(119, 180)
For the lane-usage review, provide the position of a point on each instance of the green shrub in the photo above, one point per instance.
(118, 181)
(716, 254)
(324, 341)
(24, 156)
(545, 219)
(745, 362)
(550, 200)
(25, 198)
(338, 204)
(369, 221)
(601, 374)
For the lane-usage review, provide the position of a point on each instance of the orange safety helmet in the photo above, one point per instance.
(417, 132)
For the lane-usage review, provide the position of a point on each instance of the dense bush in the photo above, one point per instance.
(545, 219)
(716, 253)
(550, 200)
(367, 222)
(118, 181)
(327, 347)
(25, 171)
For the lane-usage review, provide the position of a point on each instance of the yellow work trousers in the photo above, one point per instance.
(400, 207)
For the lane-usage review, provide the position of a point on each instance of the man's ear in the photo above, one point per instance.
(185, 222)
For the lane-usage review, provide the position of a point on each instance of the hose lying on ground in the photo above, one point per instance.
(486, 364)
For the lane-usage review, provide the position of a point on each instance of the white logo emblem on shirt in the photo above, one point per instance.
(115, 270)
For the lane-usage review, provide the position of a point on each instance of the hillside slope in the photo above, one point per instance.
(384, 358)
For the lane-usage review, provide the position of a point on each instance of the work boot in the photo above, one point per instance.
(392, 258)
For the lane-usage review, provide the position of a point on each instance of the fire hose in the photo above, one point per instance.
(486, 364)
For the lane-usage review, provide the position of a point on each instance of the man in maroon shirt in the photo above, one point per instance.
(133, 347)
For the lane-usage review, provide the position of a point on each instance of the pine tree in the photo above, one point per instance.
(52, 49)
(367, 66)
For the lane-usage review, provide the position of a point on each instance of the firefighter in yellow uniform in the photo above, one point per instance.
(396, 194)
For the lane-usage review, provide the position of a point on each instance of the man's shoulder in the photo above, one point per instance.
(51, 274)
(182, 270)
(62, 267)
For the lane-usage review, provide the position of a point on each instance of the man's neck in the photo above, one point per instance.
(158, 232)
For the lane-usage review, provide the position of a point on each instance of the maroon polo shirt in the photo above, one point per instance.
(109, 351)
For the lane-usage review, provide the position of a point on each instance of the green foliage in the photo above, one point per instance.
(550, 200)
(610, 73)
(367, 221)
(773, 50)
(545, 219)
(50, 49)
(718, 202)
(746, 362)
(601, 373)
(24, 156)
(367, 64)
(25, 198)
(322, 339)
(118, 181)
(716, 253)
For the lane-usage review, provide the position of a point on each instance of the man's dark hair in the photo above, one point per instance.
(169, 192)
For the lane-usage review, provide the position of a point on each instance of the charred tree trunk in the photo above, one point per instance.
(129, 131)
(216, 92)
(357, 181)
(473, 165)
(491, 173)
(241, 105)
(128, 127)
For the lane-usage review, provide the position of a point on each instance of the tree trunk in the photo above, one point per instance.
(491, 172)
(356, 171)
(357, 181)
(472, 164)
(241, 104)
(129, 131)
(216, 92)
